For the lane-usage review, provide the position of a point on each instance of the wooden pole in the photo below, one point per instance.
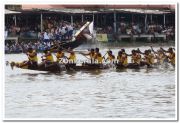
(114, 22)
(151, 18)
(145, 23)
(82, 18)
(71, 19)
(15, 22)
(164, 20)
(41, 22)
(132, 19)
(97, 20)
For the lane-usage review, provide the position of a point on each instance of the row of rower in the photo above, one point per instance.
(137, 57)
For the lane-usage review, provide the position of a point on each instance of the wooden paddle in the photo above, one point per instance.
(85, 56)
(153, 50)
(105, 55)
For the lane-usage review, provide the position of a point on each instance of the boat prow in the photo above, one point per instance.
(79, 38)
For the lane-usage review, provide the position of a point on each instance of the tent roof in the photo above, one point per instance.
(11, 12)
(76, 11)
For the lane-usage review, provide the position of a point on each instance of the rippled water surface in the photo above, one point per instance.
(145, 93)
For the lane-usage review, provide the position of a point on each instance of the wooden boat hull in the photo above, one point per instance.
(56, 67)
(133, 66)
(129, 66)
(51, 68)
(72, 44)
(86, 67)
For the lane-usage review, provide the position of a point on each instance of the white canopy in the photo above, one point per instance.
(11, 12)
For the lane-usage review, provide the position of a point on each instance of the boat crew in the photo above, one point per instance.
(119, 60)
(32, 56)
(72, 56)
(47, 58)
(135, 57)
(59, 55)
(32, 62)
(150, 57)
(22, 65)
(98, 56)
(171, 55)
(123, 51)
(110, 57)
(160, 56)
(92, 55)
(124, 57)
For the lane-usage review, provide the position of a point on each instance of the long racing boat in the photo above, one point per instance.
(58, 67)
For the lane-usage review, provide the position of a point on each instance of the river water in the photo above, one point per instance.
(144, 93)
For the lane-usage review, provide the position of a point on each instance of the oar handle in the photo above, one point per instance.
(153, 49)
(105, 55)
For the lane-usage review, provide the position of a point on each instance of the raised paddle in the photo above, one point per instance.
(163, 50)
(105, 55)
(153, 49)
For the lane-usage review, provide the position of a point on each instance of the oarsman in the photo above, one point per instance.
(150, 57)
(122, 59)
(33, 59)
(171, 55)
(22, 65)
(32, 62)
(72, 56)
(60, 55)
(135, 57)
(47, 58)
(98, 56)
(91, 54)
(160, 56)
(110, 57)
(119, 60)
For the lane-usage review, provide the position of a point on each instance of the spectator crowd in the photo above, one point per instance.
(56, 30)
(125, 28)
(21, 47)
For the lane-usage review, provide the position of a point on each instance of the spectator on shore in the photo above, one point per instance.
(46, 37)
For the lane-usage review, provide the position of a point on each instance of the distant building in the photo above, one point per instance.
(13, 7)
